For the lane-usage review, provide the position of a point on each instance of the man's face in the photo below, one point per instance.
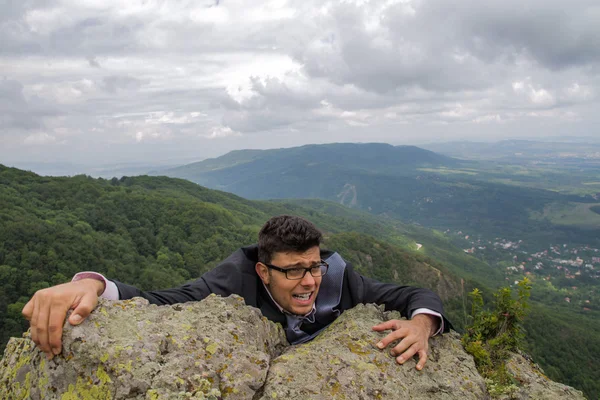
(291, 294)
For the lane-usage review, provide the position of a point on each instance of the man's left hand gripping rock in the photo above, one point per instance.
(413, 335)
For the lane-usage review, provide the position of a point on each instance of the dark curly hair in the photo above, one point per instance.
(286, 233)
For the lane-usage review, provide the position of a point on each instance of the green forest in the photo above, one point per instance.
(157, 232)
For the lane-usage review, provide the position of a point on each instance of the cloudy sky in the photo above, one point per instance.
(103, 81)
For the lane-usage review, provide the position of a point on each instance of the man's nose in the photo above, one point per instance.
(308, 279)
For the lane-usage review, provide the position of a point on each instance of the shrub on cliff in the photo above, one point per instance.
(495, 333)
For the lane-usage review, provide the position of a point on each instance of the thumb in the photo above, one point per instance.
(83, 309)
(28, 310)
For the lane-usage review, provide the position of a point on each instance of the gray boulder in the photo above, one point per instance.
(220, 348)
(133, 350)
(343, 362)
(534, 384)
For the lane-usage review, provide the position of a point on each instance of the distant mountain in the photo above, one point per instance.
(522, 151)
(97, 171)
(50, 168)
(328, 171)
(405, 182)
(232, 169)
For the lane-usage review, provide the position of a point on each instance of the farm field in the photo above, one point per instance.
(583, 215)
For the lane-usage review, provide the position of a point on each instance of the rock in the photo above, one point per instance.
(533, 384)
(343, 362)
(131, 350)
(220, 348)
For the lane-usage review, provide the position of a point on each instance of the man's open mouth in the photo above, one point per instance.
(303, 296)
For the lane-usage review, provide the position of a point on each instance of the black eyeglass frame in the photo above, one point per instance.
(285, 271)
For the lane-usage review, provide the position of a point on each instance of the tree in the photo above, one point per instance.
(494, 334)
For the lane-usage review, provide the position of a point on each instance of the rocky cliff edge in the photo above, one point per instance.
(220, 348)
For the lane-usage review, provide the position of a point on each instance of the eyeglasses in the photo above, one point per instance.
(299, 273)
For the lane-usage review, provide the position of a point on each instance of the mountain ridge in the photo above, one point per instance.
(407, 183)
(333, 153)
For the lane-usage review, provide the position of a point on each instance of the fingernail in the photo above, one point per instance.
(380, 345)
(76, 319)
(400, 359)
(56, 351)
(419, 367)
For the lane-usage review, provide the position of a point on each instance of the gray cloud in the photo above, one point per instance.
(447, 46)
(554, 35)
(113, 83)
(202, 77)
(19, 113)
(93, 62)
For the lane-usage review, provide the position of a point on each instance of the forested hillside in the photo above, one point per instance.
(159, 232)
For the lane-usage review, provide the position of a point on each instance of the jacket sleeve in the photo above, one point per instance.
(405, 299)
(224, 280)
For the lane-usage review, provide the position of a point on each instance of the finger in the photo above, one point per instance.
(33, 321)
(387, 325)
(55, 327)
(42, 325)
(83, 308)
(403, 345)
(422, 359)
(391, 337)
(402, 358)
(28, 310)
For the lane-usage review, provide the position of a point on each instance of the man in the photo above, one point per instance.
(287, 276)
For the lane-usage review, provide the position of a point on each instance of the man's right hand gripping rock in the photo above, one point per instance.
(47, 310)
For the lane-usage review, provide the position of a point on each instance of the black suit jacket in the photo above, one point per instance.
(237, 275)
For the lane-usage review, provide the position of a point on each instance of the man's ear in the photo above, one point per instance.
(263, 272)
